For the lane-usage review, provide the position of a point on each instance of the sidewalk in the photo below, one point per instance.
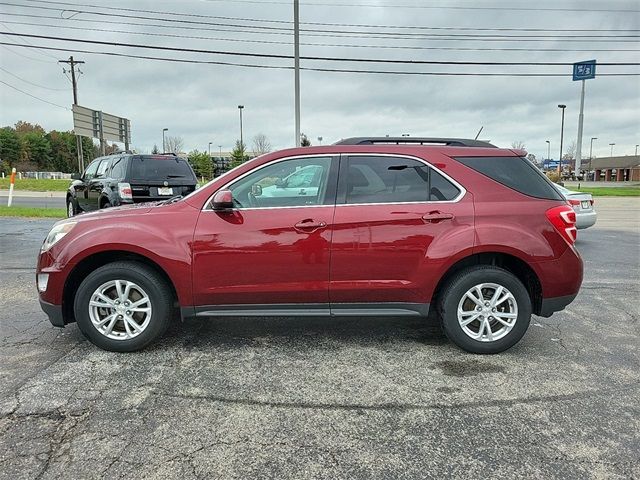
(28, 193)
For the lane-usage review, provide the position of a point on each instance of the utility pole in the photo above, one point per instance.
(296, 54)
(72, 63)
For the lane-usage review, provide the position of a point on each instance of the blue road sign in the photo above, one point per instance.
(584, 70)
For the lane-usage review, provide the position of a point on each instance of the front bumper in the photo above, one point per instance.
(54, 312)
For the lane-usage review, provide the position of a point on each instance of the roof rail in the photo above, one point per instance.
(120, 152)
(450, 142)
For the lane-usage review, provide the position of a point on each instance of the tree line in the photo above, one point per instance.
(28, 147)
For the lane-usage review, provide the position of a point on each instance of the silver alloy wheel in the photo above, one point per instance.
(70, 211)
(120, 309)
(487, 312)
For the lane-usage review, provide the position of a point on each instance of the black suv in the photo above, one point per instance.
(128, 178)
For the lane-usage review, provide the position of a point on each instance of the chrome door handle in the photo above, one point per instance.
(435, 217)
(309, 225)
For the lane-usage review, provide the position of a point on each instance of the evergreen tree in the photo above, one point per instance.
(238, 154)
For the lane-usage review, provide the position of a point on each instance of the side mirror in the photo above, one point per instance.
(222, 200)
(76, 176)
(256, 190)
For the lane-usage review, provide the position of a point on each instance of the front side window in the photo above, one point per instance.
(289, 183)
(371, 179)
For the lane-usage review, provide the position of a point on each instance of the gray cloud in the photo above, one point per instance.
(199, 102)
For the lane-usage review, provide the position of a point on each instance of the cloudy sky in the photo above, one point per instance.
(198, 101)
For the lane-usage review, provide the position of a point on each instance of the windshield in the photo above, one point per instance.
(160, 168)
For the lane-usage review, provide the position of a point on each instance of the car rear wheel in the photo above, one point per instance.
(71, 208)
(123, 306)
(485, 309)
(105, 205)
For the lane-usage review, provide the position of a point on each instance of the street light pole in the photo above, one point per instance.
(637, 150)
(164, 145)
(220, 147)
(548, 150)
(210, 149)
(240, 107)
(562, 107)
(611, 145)
(320, 142)
(591, 151)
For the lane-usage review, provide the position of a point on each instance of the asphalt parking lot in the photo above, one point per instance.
(329, 398)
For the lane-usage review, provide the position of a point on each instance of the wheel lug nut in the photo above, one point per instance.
(486, 304)
(128, 312)
(493, 309)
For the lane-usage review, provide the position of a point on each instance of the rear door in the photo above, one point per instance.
(95, 186)
(397, 222)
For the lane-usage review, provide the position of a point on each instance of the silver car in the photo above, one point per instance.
(582, 204)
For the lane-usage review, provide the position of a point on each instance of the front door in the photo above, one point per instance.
(397, 222)
(272, 250)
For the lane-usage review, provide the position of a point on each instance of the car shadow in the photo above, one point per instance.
(303, 332)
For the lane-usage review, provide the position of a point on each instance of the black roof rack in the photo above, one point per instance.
(450, 142)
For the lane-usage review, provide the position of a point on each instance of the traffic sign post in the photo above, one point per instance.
(582, 71)
(100, 125)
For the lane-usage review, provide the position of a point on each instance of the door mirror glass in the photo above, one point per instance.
(222, 200)
(75, 176)
(256, 190)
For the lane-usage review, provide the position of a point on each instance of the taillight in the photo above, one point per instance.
(591, 202)
(563, 218)
(124, 189)
(574, 202)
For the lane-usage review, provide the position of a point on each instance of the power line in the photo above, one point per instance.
(411, 27)
(25, 56)
(311, 58)
(324, 32)
(342, 45)
(344, 35)
(31, 83)
(315, 69)
(45, 54)
(32, 96)
(420, 27)
(434, 7)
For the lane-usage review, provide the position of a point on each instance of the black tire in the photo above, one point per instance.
(106, 204)
(456, 288)
(154, 285)
(72, 208)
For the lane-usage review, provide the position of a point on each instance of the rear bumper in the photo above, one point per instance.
(54, 312)
(586, 220)
(555, 304)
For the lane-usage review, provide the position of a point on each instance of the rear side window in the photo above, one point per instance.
(118, 169)
(160, 168)
(517, 173)
(372, 179)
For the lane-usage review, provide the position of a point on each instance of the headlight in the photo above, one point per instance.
(56, 234)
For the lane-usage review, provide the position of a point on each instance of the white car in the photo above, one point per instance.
(302, 182)
(582, 204)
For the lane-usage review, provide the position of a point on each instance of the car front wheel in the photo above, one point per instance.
(123, 306)
(485, 309)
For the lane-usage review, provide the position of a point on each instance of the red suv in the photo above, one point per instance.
(368, 226)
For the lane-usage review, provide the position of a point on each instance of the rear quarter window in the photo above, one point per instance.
(517, 173)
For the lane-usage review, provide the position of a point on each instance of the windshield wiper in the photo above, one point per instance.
(173, 199)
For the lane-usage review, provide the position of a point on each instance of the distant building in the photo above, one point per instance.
(617, 169)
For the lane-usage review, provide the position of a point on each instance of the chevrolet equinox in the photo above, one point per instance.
(368, 226)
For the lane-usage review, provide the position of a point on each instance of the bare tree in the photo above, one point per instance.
(261, 144)
(174, 144)
(518, 144)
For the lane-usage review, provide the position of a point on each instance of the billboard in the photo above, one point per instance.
(97, 124)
